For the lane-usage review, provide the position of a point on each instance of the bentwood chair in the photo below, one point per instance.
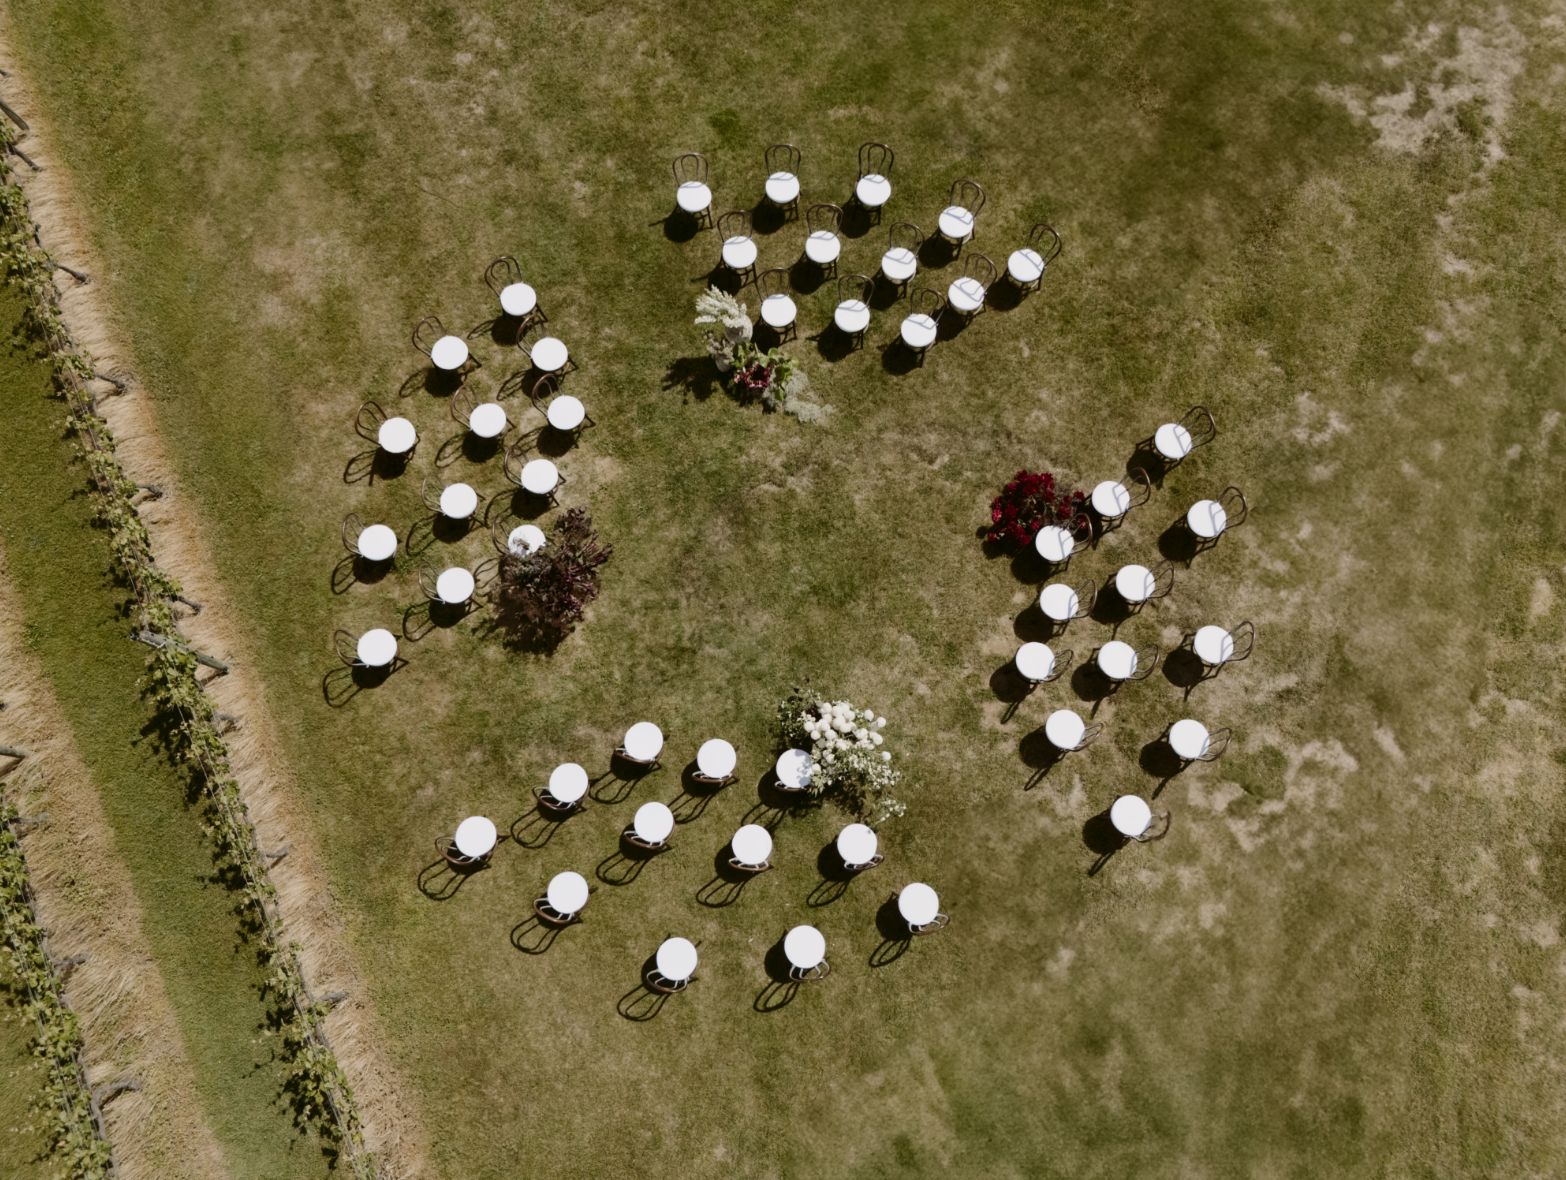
(900, 262)
(966, 294)
(517, 299)
(822, 245)
(782, 186)
(1140, 491)
(353, 525)
(1159, 585)
(691, 192)
(569, 416)
(964, 202)
(738, 251)
(367, 421)
(778, 310)
(1173, 441)
(851, 317)
(921, 325)
(873, 186)
(490, 424)
(1062, 604)
(460, 861)
(1207, 532)
(1025, 266)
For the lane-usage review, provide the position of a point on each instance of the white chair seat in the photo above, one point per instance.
(822, 247)
(782, 188)
(1172, 440)
(1188, 739)
(1130, 815)
(1064, 729)
(567, 893)
(539, 476)
(568, 782)
(1059, 602)
(793, 769)
(852, 316)
(739, 252)
(751, 845)
(487, 420)
(449, 352)
(676, 959)
(475, 836)
(396, 436)
(1213, 645)
(1053, 543)
(518, 299)
(899, 264)
(1134, 583)
(1035, 660)
(918, 904)
(918, 331)
(377, 648)
(454, 586)
(716, 758)
(1025, 266)
(873, 190)
(966, 294)
(458, 501)
(1110, 499)
(804, 947)
(377, 542)
(525, 539)
(1207, 519)
(566, 412)
(693, 196)
(1117, 660)
(643, 741)
(549, 354)
(778, 311)
(955, 223)
(856, 844)
(653, 822)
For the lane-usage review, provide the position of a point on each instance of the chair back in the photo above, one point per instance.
(1146, 661)
(966, 194)
(859, 287)
(353, 525)
(1062, 662)
(924, 301)
(549, 805)
(905, 235)
(979, 267)
(1244, 638)
(550, 916)
(367, 422)
(512, 462)
(463, 403)
(1045, 241)
(1163, 580)
(631, 838)
(1217, 743)
(501, 273)
(430, 494)
(663, 986)
(734, 224)
(1087, 595)
(875, 159)
(544, 390)
(1198, 422)
(823, 216)
(740, 866)
(447, 847)
(426, 332)
(781, 157)
(689, 166)
(773, 282)
(1088, 734)
(427, 582)
(1235, 509)
(1141, 489)
(346, 647)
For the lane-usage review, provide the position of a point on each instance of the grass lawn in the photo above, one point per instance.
(1345, 956)
(73, 621)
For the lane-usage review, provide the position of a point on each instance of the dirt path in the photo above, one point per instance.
(88, 905)
(392, 1129)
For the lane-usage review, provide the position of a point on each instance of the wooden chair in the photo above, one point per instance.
(822, 245)
(873, 185)
(463, 403)
(630, 837)
(543, 392)
(1088, 734)
(531, 335)
(691, 192)
(1163, 583)
(1027, 265)
(1062, 661)
(506, 273)
(1157, 828)
(1235, 511)
(900, 261)
(778, 310)
(851, 316)
(740, 866)
(781, 161)
(966, 295)
(865, 866)
(965, 199)
(921, 326)
(737, 248)
(1140, 492)
(1173, 441)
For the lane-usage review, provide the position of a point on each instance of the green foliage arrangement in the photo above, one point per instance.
(315, 1080)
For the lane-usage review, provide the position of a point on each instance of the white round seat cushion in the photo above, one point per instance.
(693, 196)
(539, 476)
(918, 904)
(716, 758)
(1213, 645)
(804, 947)
(1172, 440)
(568, 782)
(653, 822)
(376, 648)
(1035, 660)
(823, 246)
(782, 188)
(454, 585)
(899, 264)
(1117, 660)
(487, 420)
(778, 311)
(676, 959)
(1130, 815)
(956, 223)
(794, 769)
(566, 412)
(396, 436)
(751, 845)
(739, 252)
(518, 299)
(567, 892)
(856, 844)
(1134, 583)
(918, 331)
(966, 294)
(458, 501)
(1025, 265)
(1188, 739)
(873, 190)
(643, 741)
(525, 539)
(1053, 543)
(1110, 499)
(1064, 729)
(1207, 519)
(449, 352)
(549, 354)
(475, 836)
(852, 316)
(1059, 602)
(376, 542)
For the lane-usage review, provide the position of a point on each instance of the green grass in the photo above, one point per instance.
(24, 1145)
(74, 624)
(1342, 958)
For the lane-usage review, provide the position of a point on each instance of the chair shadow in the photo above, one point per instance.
(835, 877)
(897, 359)
(353, 570)
(1004, 296)
(440, 881)
(1158, 760)
(641, 1003)
(857, 220)
(616, 784)
(1029, 568)
(805, 277)
(722, 278)
(896, 938)
(1110, 610)
(832, 345)
(1039, 755)
(368, 466)
(1102, 840)
(951, 326)
(727, 885)
(1176, 543)
(1091, 685)
(679, 226)
(936, 252)
(883, 292)
(533, 936)
(535, 829)
(696, 375)
(1145, 458)
(1184, 669)
(1010, 687)
(780, 989)
(342, 683)
(467, 445)
(767, 218)
(624, 865)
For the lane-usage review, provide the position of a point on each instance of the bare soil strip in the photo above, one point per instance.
(393, 1131)
(88, 905)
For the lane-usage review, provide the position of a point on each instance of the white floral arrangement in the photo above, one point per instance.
(849, 765)
(718, 307)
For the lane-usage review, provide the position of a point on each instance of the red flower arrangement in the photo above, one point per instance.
(1029, 502)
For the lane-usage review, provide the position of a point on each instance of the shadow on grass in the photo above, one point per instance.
(835, 877)
(1157, 759)
(1184, 669)
(369, 466)
(533, 936)
(1032, 625)
(626, 864)
(727, 885)
(1177, 543)
(696, 375)
(467, 445)
(441, 880)
(616, 784)
(780, 989)
(537, 828)
(1011, 688)
(896, 938)
(1039, 755)
(342, 684)
(1091, 685)
(1101, 839)
(353, 570)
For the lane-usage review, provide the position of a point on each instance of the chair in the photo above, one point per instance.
(963, 204)
(1157, 828)
(531, 335)
(447, 847)
(778, 311)
(822, 245)
(353, 525)
(517, 299)
(921, 325)
(873, 186)
(1026, 265)
(429, 493)
(1146, 661)
(625, 755)
(1089, 732)
(1231, 502)
(514, 462)
(630, 837)
(900, 262)
(691, 193)
(1109, 521)
(347, 649)
(738, 250)
(1057, 605)
(367, 422)
(569, 417)
(740, 866)
(1173, 441)
(1059, 662)
(782, 187)
(966, 294)
(1162, 584)
(1217, 743)
(852, 314)
(491, 423)
(666, 987)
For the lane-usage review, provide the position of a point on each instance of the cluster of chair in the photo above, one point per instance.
(965, 296)
(750, 849)
(485, 420)
(1213, 647)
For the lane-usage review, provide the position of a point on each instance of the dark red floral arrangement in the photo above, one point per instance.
(1029, 502)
